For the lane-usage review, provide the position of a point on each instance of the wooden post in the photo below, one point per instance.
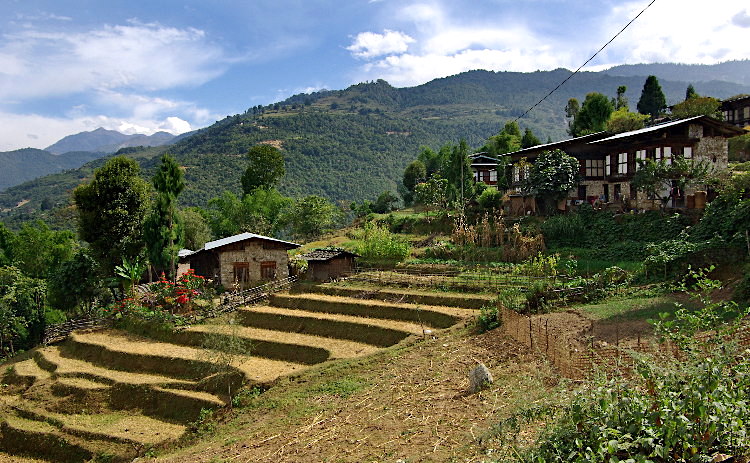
(546, 335)
(531, 335)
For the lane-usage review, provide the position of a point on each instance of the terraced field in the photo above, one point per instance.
(113, 395)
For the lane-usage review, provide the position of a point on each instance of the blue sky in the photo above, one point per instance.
(138, 66)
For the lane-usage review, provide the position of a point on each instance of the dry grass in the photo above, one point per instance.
(138, 353)
(413, 296)
(337, 348)
(30, 369)
(433, 316)
(407, 403)
(70, 367)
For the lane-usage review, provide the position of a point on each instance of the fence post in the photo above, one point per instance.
(546, 335)
(531, 335)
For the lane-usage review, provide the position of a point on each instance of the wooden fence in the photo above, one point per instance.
(61, 331)
(229, 303)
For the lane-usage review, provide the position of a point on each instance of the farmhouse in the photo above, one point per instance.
(609, 162)
(328, 263)
(737, 111)
(242, 259)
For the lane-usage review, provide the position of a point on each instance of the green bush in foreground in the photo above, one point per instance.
(675, 409)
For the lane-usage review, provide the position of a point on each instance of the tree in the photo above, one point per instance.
(657, 178)
(265, 169)
(457, 171)
(593, 115)
(195, 228)
(22, 302)
(529, 139)
(261, 212)
(111, 211)
(75, 284)
(312, 216)
(433, 161)
(571, 112)
(386, 202)
(690, 92)
(698, 106)
(621, 101)
(6, 245)
(652, 102)
(552, 175)
(623, 120)
(432, 193)
(490, 199)
(415, 173)
(38, 251)
(506, 141)
(162, 229)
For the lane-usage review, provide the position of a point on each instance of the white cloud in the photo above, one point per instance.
(372, 44)
(446, 42)
(143, 56)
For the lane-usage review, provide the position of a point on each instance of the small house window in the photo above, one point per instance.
(640, 155)
(268, 270)
(241, 272)
(594, 168)
(607, 165)
(493, 176)
(657, 154)
(687, 152)
(668, 155)
(622, 163)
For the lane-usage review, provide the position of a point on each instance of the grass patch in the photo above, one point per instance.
(632, 308)
(343, 388)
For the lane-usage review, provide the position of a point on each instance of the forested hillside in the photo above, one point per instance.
(729, 71)
(25, 164)
(353, 144)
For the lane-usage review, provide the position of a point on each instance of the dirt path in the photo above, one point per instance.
(406, 403)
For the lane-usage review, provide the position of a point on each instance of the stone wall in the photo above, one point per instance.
(253, 253)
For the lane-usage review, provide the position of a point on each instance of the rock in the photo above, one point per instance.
(479, 378)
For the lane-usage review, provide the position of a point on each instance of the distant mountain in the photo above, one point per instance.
(25, 164)
(352, 144)
(737, 72)
(107, 141)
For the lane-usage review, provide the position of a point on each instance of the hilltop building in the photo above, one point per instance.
(737, 111)
(243, 259)
(609, 162)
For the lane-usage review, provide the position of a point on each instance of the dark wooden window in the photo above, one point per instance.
(268, 270)
(241, 272)
(622, 163)
(595, 168)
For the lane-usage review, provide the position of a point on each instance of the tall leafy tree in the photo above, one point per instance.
(457, 171)
(698, 106)
(111, 210)
(38, 251)
(163, 229)
(75, 284)
(593, 115)
(552, 175)
(265, 168)
(312, 216)
(571, 112)
(529, 139)
(623, 120)
(621, 101)
(196, 229)
(415, 172)
(652, 102)
(690, 92)
(506, 141)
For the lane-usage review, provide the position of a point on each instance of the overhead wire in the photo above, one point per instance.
(587, 62)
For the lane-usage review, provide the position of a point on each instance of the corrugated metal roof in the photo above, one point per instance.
(326, 254)
(653, 128)
(242, 237)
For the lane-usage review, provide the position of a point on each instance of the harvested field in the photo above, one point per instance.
(432, 316)
(408, 403)
(115, 393)
(411, 296)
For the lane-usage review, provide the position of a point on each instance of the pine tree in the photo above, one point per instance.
(163, 229)
(652, 102)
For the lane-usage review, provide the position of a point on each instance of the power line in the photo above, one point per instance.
(587, 62)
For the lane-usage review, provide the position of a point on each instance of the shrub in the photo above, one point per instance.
(379, 244)
(487, 318)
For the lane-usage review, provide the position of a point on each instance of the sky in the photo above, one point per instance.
(141, 66)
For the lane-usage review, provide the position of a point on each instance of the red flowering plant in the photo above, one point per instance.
(190, 292)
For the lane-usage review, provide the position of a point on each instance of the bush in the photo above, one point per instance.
(379, 244)
(673, 409)
(487, 319)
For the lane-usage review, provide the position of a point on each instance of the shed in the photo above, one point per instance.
(244, 259)
(327, 263)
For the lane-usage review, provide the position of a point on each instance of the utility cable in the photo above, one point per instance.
(587, 62)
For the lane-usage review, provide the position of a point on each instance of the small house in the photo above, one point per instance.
(243, 260)
(326, 264)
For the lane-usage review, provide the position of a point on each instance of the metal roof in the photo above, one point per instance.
(243, 237)
(326, 254)
(653, 128)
